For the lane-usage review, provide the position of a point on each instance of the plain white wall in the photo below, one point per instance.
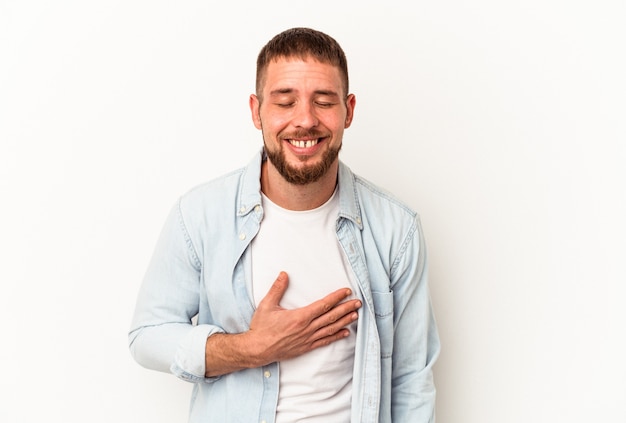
(502, 123)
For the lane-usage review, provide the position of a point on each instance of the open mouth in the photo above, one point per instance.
(304, 143)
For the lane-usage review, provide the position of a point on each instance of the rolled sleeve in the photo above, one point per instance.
(189, 360)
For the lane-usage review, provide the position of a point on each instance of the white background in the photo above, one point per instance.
(501, 122)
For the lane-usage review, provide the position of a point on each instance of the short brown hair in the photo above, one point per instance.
(302, 43)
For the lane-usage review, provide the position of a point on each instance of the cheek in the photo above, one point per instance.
(272, 124)
(336, 124)
(334, 119)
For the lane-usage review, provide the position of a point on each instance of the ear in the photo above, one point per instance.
(350, 104)
(254, 109)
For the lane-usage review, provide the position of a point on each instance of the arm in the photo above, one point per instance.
(278, 334)
(416, 342)
(162, 333)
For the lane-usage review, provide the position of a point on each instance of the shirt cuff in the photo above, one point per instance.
(190, 361)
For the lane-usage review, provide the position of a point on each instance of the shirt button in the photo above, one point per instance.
(257, 209)
(267, 374)
(242, 236)
(358, 220)
(242, 209)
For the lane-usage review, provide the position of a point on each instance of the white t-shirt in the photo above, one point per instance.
(317, 386)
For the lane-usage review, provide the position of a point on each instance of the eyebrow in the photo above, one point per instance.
(282, 91)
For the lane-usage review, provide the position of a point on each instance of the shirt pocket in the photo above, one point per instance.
(383, 311)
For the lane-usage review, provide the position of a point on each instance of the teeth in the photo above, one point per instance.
(303, 144)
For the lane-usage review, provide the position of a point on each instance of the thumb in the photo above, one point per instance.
(276, 291)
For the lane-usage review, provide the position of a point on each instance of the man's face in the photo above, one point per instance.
(302, 113)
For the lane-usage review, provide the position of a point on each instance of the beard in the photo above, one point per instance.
(305, 174)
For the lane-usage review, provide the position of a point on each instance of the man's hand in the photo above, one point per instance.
(278, 334)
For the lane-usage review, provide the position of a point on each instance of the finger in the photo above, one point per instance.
(335, 330)
(276, 291)
(340, 316)
(323, 306)
(329, 339)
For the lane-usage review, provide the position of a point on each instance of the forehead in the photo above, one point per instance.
(301, 74)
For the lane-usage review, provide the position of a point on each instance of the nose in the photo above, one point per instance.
(304, 116)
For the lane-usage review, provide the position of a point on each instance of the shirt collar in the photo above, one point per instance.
(250, 188)
(348, 199)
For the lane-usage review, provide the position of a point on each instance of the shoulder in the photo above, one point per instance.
(380, 214)
(367, 198)
(218, 188)
(231, 190)
(213, 201)
(373, 196)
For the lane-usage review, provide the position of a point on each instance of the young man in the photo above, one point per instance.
(309, 283)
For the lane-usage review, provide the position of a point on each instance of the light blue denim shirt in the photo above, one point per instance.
(201, 266)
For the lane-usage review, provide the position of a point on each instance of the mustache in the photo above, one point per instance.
(308, 134)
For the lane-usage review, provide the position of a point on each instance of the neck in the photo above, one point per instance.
(297, 197)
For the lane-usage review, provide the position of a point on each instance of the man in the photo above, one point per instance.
(309, 283)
